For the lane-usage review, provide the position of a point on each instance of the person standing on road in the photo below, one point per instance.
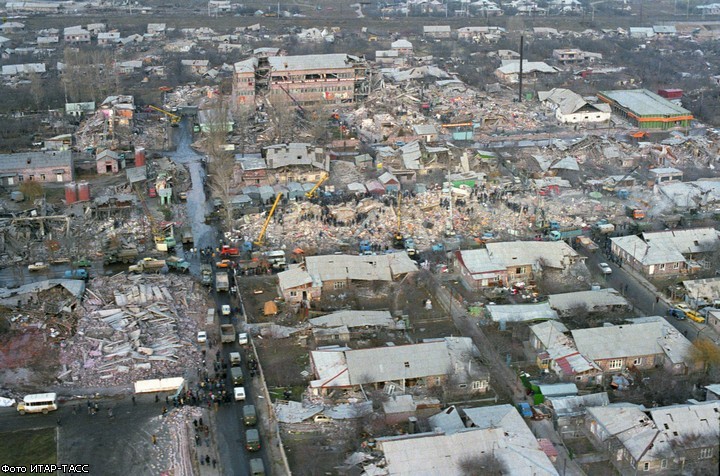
(154, 439)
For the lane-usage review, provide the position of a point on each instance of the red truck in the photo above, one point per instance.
(229, 251)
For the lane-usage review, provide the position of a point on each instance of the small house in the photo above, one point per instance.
(109, 162)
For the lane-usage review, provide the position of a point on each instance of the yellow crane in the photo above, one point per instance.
(261, 239)
(174, 118)
(158, 235)
(313, 191)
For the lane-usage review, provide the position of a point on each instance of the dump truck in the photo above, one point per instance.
(206, 274)
(76, 274)
(178, 264)
(147, 265)
(227, 333)
(222, 282)
(587, 243)
(124, 255)
(635, 213)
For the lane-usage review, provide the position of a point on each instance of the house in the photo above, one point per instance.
(698, 196)
(556, 352)
(76, 34)
(96, 28)
(495, 433)
(348, 324)
(642, 32)
(330, 273)
(709, 9)
(109, 162)
(647, 344)
(78, 109)
(60, 142)
(296, 162)
(156, 29)
(531, 71)
(477, 33)
(198, 67)
(574, 55)
(402, 46)
(26, 69)
(390, 58)
(399, 369)
(666, 253)
(11, 27)
(663, 440)
(520, 312)
(571, 108)
(390, 182)
(569, 412)
(48, 166)
(506, 263)
(108, 38)
(428, 132)
(129, 67)
(437, 31)
(713, 320)
(34, 7)
(665, 175)
(485, 8)
(46, 41)
(664, 31)
(600, 300)
(17, 298)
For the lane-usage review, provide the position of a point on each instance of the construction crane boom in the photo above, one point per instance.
(261, 239)
(313, 191)
(174, 118)
(297, 104)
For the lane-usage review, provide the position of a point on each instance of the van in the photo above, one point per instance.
(242, 338)
(237, 375)
(249, 415)
(252, 440)
(235, 359)
(257, 467)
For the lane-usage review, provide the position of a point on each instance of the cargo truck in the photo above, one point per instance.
(178, 264)
(76, 274)
(187, 237)
(147, 265)
(237, 375)
(222, 282)
(206, 274)
(227, 333)
(124, 255)
(565, 233)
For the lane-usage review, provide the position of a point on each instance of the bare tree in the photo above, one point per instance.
(221, 161)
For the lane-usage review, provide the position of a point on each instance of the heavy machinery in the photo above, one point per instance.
(313, 191)
(398, 238)
(174, 118)
(161, 241)
(261, 239)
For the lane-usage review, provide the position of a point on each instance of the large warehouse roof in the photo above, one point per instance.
(642, 102)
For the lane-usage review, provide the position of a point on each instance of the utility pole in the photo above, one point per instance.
(520, 76)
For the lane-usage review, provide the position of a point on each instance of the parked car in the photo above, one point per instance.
(202, 337)
(605, 268)
(39, 266)
(677, 314)
(691, 314)
(239, 393)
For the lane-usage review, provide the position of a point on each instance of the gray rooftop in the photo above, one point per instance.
(590, 299)
(382, 364)
(29, 160)
(312, 62)
(521, 312)
(352, 319)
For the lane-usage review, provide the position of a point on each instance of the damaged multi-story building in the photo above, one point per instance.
(303, 80)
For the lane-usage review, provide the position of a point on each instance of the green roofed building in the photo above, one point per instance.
(647, 110)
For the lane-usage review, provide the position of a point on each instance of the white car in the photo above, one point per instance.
(202, 337)
(239, 393)
(242, 338)
(605, 268)
(225, 309)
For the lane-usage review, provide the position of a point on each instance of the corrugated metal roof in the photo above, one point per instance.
(521, 312)
(645, 103)
(600, 343)
(352, 319)
(382, 364)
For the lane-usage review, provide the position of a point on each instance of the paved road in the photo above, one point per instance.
(638, 292)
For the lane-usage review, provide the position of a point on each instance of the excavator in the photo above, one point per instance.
(261, 239)
(313, 191)
(174, 118)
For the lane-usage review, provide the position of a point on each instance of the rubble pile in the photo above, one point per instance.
(134, 327)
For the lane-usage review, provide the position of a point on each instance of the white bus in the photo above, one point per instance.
(38, 403)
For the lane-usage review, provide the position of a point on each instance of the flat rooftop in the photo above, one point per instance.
(644, 103)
